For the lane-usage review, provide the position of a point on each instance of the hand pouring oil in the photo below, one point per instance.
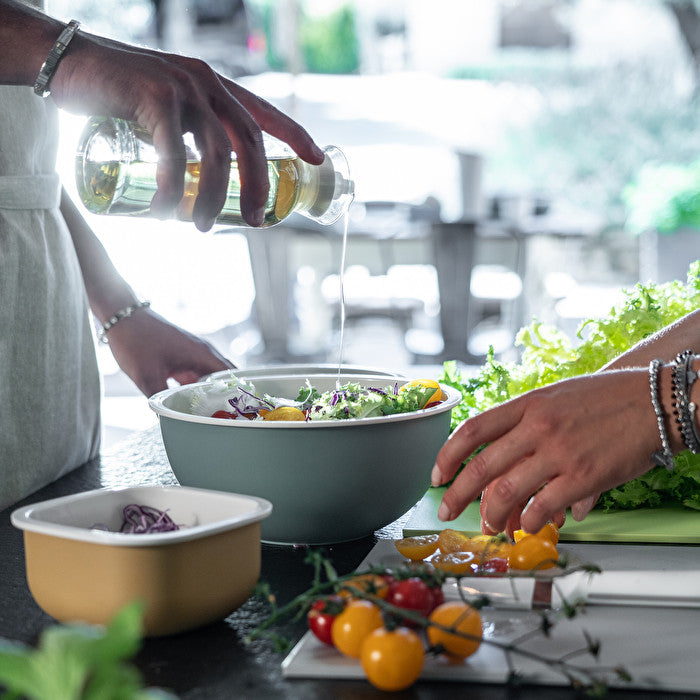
(115, 170)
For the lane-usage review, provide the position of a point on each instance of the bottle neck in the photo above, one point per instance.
(326, 190)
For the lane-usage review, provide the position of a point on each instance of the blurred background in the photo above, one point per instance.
(512, 159)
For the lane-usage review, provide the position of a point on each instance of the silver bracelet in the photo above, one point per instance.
(663, 457)
(683, 377)
(48, 68)
(113, 320)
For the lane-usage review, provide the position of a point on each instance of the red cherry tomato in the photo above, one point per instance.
(224, 414)
(411, 594)
(495, 566)
(321, 616)
(438, 596)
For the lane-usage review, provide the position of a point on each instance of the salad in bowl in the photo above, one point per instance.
(235, 398)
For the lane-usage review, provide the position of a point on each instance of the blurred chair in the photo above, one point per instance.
(492, 314)
(379, 234)
(480, 273)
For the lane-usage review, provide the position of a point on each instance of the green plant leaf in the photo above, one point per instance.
(79, 662)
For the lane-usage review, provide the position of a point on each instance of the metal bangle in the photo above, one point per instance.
(48, 68)
(663, 457)
(118, 316)
(683, 378)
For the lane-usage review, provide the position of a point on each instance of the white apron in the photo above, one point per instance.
(49, 382)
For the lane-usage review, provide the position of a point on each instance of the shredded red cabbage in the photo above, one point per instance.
(143, 520)
(234, 404)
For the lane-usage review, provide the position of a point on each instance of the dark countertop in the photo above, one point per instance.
(214, 662)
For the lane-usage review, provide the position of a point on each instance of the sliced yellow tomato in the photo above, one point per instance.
(417, 548)
(283, 413)
(452, 541)
(455, 562)
(487, 547)
(435, 397)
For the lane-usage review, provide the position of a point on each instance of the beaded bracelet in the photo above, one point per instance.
(663, 457)
(682, 378)
(113, 320)
(48, 67)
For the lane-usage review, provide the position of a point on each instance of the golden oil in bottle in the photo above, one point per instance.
(116, 174)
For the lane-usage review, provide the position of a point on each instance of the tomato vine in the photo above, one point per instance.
(326, 582)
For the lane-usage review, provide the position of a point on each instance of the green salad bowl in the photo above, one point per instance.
(328, 481)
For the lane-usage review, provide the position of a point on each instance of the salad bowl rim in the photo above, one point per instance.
(157, 404)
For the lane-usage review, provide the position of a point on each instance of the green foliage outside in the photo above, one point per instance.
(328, 43)
(665, 197)
(598, 128)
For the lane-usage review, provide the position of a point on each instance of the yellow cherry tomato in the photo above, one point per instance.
(374, 584)
(549, 532)
(417, 548)
(435, 397)
(533, 552)
(283, 413)
(353, 625)
(392, 660)
(460, 619)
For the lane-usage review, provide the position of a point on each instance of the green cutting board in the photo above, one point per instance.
(651, 525)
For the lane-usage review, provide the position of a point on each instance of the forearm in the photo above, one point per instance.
(106, 289)
(26, 36)
(684, 334)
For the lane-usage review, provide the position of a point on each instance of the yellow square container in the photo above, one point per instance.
(186, 577)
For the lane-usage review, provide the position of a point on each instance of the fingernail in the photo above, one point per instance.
(582, 508)
(436, 476)
(259, 216)
(160, 212)
(485, 524)
(444, 512)
(205, 225)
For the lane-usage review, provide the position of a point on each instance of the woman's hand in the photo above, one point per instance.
(564, 443)
(151, 350)
(170, 95)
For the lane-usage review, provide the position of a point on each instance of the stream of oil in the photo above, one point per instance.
(346, 221)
